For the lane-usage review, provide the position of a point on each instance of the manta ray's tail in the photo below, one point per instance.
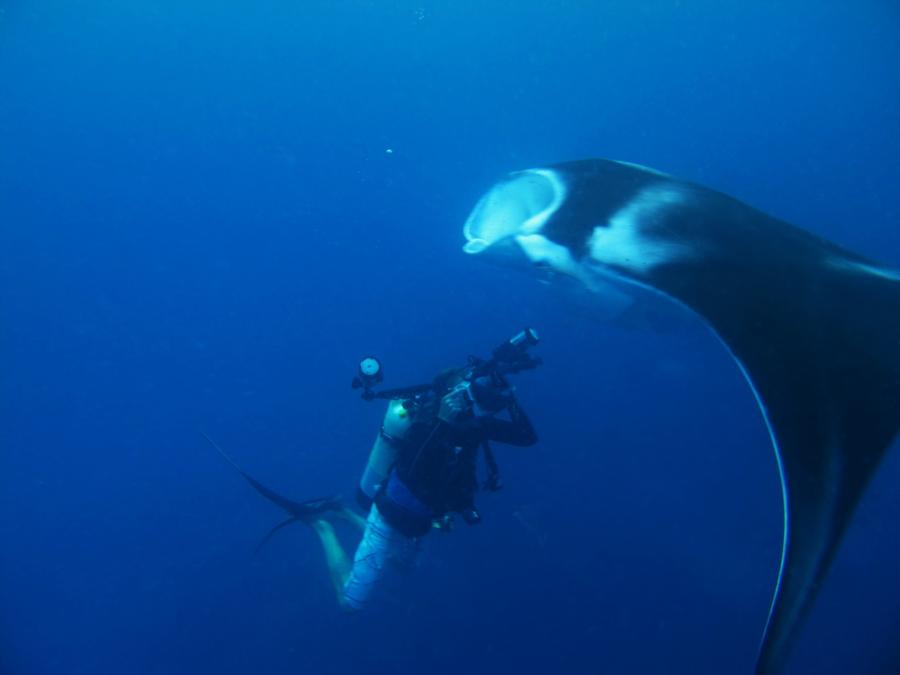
(298, 512)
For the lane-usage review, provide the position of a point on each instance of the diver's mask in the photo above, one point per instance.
(490, 394)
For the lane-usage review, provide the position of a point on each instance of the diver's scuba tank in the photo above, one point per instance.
(384, 451)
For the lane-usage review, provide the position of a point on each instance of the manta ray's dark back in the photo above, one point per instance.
(816, 330)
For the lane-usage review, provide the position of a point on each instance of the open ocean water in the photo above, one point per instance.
(209, 211)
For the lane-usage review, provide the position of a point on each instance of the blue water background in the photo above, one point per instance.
(201, 227)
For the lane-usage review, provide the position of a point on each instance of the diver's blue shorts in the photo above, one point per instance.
(381, 545)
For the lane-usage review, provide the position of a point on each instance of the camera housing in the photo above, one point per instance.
(509, 357)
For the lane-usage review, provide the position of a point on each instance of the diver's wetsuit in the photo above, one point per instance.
(434, 475)
(435, 471)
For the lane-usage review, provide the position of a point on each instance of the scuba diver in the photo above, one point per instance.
(423, 465)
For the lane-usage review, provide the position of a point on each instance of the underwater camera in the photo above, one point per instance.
(511, 356)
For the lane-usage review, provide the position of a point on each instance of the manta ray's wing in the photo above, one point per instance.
(830, 390)
(815, 328)
(816, 331)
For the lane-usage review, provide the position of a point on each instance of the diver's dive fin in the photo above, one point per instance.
(271, 533)
(297, 510)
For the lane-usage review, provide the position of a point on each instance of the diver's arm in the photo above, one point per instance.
(518, 430)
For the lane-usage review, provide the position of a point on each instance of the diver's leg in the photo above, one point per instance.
(335, 557)
(379, 545)
(405, 556)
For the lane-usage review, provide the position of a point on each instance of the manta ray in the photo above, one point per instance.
(814, 328)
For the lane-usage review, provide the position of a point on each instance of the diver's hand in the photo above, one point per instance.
(456, 407)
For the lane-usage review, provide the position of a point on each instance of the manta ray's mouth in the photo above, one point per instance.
(517, 206)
